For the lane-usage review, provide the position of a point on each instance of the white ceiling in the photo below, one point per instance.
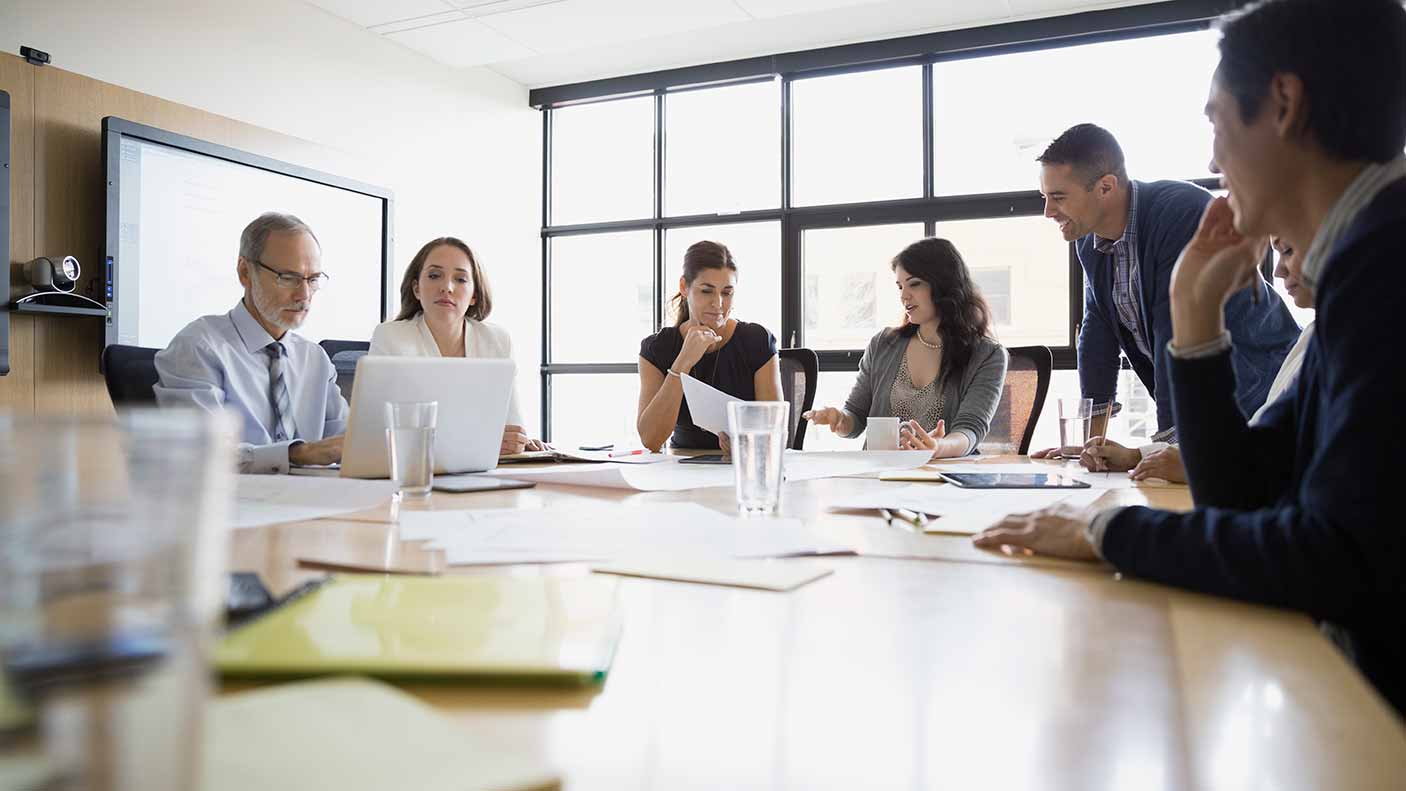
(551, 42)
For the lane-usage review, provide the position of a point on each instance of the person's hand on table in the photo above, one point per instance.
(725, 444)
(912, 436)
(316, 454)
(1104, 455)
(1165, 464)
(1057, 531)
(515, 440)
(1046, 453)
(536, 444)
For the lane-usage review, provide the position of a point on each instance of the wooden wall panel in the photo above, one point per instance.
(62, 212)
(17, 79)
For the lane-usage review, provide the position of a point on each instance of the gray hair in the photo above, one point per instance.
(256, 233)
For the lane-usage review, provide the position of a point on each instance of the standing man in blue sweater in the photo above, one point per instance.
(1128, 235)
(1302, 510)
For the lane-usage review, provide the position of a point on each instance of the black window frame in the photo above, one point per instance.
(1141, 21)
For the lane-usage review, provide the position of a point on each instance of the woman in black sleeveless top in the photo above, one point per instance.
(736, 357)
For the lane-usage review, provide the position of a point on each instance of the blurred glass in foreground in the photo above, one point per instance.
(113, 541)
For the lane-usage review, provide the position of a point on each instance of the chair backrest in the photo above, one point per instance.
(344, 355)
(130, 373)
(1022, 399)
(800, 376)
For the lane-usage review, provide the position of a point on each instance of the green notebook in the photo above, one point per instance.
(484, 627)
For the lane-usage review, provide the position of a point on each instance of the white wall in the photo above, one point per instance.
(460, 148)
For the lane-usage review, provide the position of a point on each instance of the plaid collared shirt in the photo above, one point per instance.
(1126, 279)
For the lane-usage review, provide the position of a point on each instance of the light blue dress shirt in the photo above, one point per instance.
(219, 362)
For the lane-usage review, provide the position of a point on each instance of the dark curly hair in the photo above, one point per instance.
(966, 318)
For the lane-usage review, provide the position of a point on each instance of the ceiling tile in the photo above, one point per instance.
(478, 8)
(580, 24)
(416, 22)
(368, 13)
(1026, 8)
(462, 43)
(763, 9)
(868, 22)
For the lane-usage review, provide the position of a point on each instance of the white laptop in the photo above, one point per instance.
(473, 408)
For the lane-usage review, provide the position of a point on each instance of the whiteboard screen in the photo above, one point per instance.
(180, 214)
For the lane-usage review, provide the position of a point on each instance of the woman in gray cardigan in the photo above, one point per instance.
(939, 370)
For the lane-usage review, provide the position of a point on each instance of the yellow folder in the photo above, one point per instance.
(489, 627)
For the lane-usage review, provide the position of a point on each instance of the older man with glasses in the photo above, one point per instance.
(281, 386)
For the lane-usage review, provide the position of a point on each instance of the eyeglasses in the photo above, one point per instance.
(290, 280)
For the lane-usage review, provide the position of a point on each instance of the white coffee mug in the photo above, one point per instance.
(882, 433)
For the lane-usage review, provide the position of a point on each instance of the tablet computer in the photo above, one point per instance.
(707, 458)
(1013, 480)
(477, 483)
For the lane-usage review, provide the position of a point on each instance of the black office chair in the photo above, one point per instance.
(1027, 383)
(130, 373)
(344, 355)
(800, 376)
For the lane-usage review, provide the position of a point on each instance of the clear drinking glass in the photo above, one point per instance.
(758, 433)
(410, 443)
(113, 542)
(1075, 415)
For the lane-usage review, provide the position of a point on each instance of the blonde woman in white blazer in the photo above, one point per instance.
(444, 301)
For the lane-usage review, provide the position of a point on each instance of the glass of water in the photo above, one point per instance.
(1075, 415)
(113, 540)
(758, 432)
(410, 443)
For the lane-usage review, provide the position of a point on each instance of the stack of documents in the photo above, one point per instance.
(586, 456)
(607, 532)
(965, 511)
(483, 626)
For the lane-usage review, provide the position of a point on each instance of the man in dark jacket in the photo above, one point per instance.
(1308, 108)
(1128, 235)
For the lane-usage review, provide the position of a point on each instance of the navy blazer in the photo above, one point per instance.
(1167, 215)
(1302, 510)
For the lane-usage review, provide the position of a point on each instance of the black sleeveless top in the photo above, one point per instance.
(731, 369)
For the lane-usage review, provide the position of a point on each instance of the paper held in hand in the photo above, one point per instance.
(706, 404)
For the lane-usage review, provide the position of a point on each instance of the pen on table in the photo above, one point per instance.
(618, 453)
(916, 518)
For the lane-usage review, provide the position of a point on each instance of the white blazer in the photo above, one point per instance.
(412, 338)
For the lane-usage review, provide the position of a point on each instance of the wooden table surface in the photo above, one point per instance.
(922, 663)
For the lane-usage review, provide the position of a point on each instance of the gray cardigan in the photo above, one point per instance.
(972, 393)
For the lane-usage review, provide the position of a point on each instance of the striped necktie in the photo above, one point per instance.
(283, 428)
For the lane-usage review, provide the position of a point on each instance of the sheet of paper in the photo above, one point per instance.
(707, 405)
(977, 516)
(607, 532)
(964, 511)
(594, 456)
(671, 476)
(936, 500)
(769, 575)
(357, 735)
(274, 499)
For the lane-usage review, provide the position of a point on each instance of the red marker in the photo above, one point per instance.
(616, 454)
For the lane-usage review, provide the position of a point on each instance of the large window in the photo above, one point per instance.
(858, 137)
(816, 177)
(993, 116)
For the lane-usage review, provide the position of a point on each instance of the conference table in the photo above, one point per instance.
(920, 662)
